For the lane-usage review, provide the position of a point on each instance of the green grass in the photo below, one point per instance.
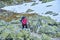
(48, 5)
(29, 10)
(44, 1)
(48, 27)
(51, 13)
(34, 4)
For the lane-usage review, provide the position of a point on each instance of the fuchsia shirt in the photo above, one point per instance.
(24, 21)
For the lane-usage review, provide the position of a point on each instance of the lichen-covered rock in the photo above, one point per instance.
(45, 37)
(58, 34)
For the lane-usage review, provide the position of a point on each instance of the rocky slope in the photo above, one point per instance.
(39, 27)
(10, 26)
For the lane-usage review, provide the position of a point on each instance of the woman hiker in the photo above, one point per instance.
(24, 22)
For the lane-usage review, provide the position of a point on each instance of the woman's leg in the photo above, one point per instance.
(26, 25)
(22, 26)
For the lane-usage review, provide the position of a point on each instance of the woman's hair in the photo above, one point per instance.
(23, 17)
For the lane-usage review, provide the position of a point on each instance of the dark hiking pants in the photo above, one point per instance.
(24, 26)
